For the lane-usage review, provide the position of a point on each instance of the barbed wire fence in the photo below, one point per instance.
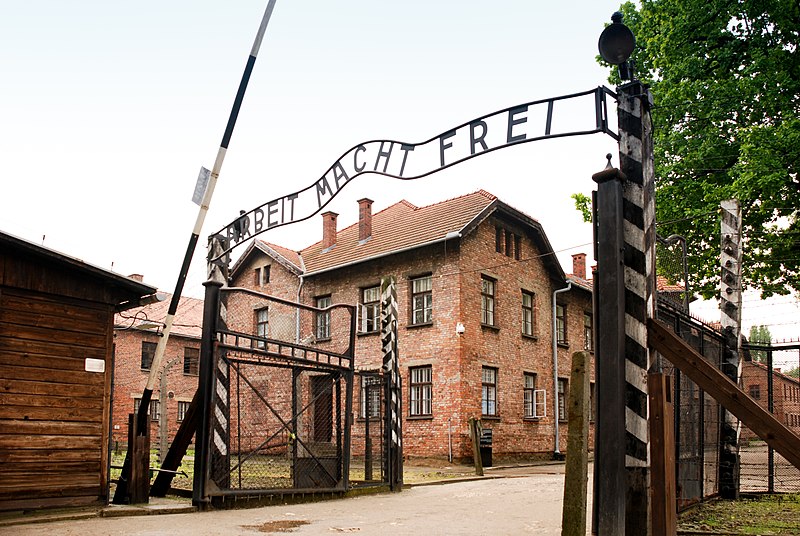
(769, 375)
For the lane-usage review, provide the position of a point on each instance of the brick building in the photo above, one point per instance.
(785, 394)
(136, 334)
(476, 281)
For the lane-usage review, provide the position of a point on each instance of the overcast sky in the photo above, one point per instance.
(109, 109)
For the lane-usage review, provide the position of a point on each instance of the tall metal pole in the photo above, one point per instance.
(163, 426)
(141, 416)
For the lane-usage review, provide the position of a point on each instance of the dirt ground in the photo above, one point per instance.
(508, 501)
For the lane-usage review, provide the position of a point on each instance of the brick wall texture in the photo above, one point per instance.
(456, 360)
(130, 381)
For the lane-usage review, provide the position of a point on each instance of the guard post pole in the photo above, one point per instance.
(205, 388)
(609, 482)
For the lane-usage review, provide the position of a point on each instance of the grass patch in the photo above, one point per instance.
(773, 515)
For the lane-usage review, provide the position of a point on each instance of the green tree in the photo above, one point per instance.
(583, 204)
(759, 335)
(725, 77)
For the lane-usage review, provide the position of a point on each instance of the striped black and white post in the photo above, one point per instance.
(220, 429)
(206, 384)
(636, 162)
(122, 491)
(730, 319)
(391, 367)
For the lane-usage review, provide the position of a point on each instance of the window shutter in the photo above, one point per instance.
(540, 403)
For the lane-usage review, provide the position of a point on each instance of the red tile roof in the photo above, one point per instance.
(292, 256)
(402, 227)
(585, 284)
(399, 227)
(663, 285)
(188, 319)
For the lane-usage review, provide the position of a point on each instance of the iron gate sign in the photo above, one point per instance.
(523, 123)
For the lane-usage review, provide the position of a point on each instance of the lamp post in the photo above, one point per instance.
(163, 426)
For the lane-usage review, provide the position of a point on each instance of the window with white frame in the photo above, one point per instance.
(561, 323)
(487, 300)
(489, 391)
(562, 399)
(154, 411)
(183, 407)
(588, 335)
(528, 311)
(370, 397)
(534, 400)
(262, 325)
(527, 393)
(422, 300)
(421, 391)
(323, 318)
(370, 310)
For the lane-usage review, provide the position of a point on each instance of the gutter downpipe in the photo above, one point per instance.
(556, 449)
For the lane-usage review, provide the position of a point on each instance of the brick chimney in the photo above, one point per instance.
(136, 277)
(364, 219)
(328, 229)
(579, 265)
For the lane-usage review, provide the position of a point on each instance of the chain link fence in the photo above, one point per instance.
(368, 432)
(697, 415)
(671, 271)
(769, 376)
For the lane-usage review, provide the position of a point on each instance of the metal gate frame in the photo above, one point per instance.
(222, 348)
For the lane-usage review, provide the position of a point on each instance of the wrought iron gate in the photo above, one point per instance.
(277, 399)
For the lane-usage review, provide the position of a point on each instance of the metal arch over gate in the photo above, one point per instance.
(515, 125)
(225, 365)
(504, 128)
(626, 269)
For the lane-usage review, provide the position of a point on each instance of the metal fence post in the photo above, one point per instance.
(394, 438)
(730, 318)
(206, 382)
(771, 409)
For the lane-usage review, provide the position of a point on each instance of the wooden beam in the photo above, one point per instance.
(176, 452)
(664, 519)
(576, 472)
(475, 436)
(724, 391)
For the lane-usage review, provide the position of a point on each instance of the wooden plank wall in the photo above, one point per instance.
(54, 415)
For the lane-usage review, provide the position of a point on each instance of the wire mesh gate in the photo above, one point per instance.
(279, 400)
(697, 415)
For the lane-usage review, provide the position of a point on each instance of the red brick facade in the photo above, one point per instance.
(785, 394)
(130, 378)
(495, 261)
